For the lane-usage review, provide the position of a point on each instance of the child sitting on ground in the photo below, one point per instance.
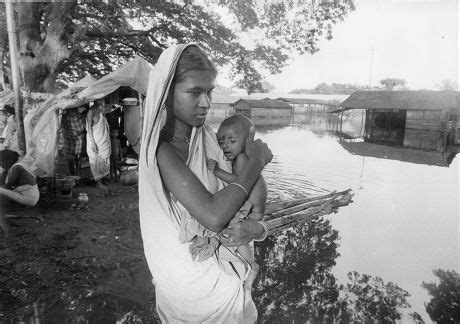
(232, 136)
(116, 154)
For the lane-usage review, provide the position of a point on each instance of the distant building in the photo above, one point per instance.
(306, 105)
(264, 111)
(427, 120)
(221, 107)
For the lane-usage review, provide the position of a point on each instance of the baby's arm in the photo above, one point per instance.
(221, 174)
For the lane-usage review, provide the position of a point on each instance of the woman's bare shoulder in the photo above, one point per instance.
(168, 153)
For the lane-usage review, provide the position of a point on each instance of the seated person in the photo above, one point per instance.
(18, 183)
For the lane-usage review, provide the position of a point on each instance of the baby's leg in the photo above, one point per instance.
(245, 252)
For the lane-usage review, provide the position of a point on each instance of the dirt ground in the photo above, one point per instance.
(68, 262)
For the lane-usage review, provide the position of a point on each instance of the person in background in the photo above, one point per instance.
(116, 154)
(73, 125)
(3, 120)
(98, 143)
(9, 131)
(18, 183)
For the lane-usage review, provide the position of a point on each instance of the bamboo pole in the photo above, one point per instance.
(141, 114)
(300, 211)
(18, 101)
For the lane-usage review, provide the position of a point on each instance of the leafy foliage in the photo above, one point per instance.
(65, 40)
(448, 85)
(334, 88)
(391, 83)
(295, 281)
(444, 306)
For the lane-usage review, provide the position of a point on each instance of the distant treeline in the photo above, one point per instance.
(334, 88)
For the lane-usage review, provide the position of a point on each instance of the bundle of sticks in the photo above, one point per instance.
(282, 215)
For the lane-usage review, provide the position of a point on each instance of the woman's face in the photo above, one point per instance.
(192, 97)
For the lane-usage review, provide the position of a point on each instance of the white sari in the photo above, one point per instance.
(186, 291)
(99, 162)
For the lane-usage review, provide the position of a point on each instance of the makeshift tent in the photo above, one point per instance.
(44, 123)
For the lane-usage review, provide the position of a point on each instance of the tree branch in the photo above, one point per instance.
(105, 34)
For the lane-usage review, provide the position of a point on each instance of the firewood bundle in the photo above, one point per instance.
(282, 215)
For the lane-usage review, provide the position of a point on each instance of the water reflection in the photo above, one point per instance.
(295, 282)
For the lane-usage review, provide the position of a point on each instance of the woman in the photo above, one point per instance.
(18, 183)
(98, 144)
(175, 183)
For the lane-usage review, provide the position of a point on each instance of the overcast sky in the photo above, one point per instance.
(416, 40)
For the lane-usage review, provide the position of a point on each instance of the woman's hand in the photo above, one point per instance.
(258, 150)
(241, 233)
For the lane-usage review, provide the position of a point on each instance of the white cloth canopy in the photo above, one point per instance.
(43, 123)
(186, 290)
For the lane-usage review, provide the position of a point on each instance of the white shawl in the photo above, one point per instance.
(99, 162)
(186, 290)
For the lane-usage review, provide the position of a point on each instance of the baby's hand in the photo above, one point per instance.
(212, 165)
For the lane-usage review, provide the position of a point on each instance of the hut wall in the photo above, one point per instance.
(270, 112)
(425, 130)
(243, 111)
(299, 109)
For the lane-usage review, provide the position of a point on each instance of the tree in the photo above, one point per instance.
(447, 85)
(444, 306)
(391, 83)
(61, 41)
(267, 86)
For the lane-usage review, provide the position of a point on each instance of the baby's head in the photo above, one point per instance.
(233, 134)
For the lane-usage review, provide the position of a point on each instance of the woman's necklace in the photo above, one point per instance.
(171, 138)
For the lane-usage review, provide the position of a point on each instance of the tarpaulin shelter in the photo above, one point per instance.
(44, 123)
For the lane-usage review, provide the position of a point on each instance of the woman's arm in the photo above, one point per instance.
(212, 211)
(13, 176)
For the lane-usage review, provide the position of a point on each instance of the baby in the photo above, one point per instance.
(232, 136)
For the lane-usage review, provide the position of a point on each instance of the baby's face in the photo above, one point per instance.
(232, 141)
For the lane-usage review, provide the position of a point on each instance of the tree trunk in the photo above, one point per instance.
(41, 51)
(3, 47)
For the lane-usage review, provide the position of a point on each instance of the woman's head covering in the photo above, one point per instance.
(161, 77)
(8, 158)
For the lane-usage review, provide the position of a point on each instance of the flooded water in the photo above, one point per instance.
(403, 222)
